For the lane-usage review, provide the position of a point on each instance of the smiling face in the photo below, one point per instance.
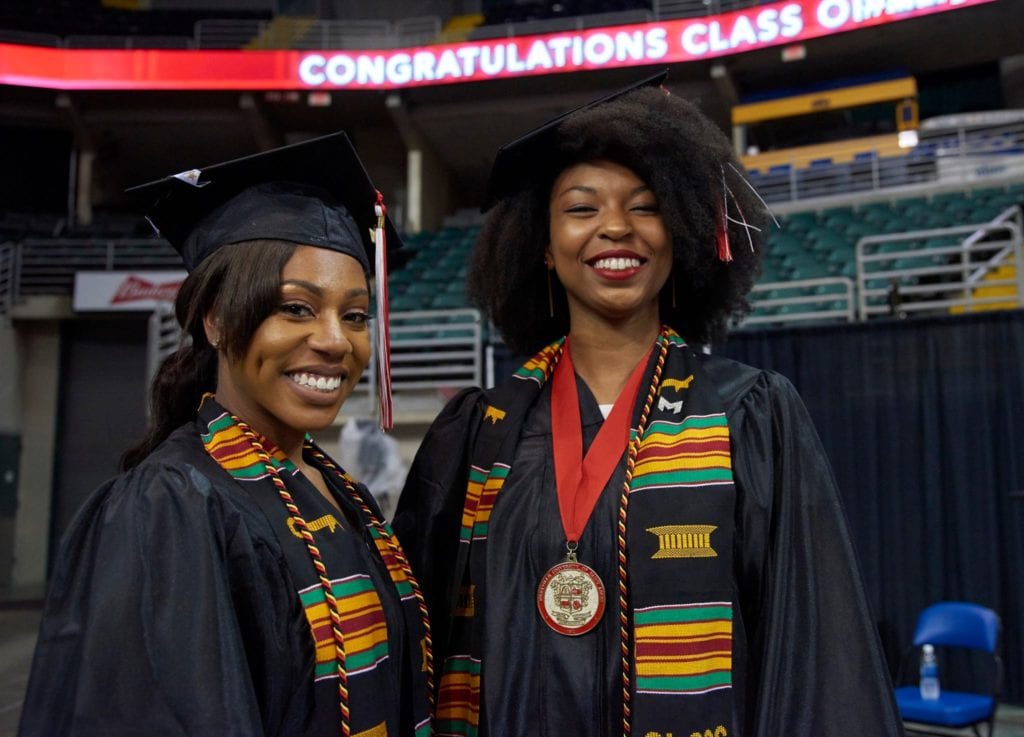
(608, 243)
(305, 358)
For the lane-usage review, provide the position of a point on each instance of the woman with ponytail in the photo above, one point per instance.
(191, 371)
(234, 580)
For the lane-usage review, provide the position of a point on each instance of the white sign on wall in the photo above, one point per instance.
(138, 291)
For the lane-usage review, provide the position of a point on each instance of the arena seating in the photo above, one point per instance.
(16, 226)
(807, 245)
(819, 244)
(434, 277)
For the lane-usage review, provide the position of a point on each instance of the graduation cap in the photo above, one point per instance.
(315, 193)
(516, 163)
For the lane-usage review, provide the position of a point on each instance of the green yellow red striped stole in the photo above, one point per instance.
(397, 571)
(229, 446)
(362, 619)
(481, 493)
(458, 702)
(683, 649)
(677, 547)
(538, 369)
(345, 615)
(691, 452)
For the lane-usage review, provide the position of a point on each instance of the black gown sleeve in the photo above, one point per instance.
(429, 513)
(167, 617)
(814, 662)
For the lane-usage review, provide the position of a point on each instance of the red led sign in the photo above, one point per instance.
(666, 42)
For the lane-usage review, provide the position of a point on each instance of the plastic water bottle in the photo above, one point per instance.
(929, 674)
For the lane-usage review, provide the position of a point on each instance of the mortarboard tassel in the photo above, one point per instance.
(722, 225)
(382, 328)
(722, 236)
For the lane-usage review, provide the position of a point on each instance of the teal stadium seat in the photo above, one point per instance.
(405, 303)
(448, 301)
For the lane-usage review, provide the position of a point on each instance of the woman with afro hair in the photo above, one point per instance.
(631, 536)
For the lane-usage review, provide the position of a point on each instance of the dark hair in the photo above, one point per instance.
(240, 284)
(687, 162)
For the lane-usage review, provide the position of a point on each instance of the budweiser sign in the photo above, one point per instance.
(104, 291)
(134, 289)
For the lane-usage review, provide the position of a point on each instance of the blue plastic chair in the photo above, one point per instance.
(955, 624)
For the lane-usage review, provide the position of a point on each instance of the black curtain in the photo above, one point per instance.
(923, 420)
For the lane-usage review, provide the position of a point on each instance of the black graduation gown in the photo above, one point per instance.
(174, 610)
(806, 659)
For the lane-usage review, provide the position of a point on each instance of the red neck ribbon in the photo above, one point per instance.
(580, 481)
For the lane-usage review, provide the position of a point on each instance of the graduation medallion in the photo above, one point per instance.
(571, 597)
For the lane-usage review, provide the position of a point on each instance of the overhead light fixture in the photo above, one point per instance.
(794, 52)
(907, 138)
(318, 99)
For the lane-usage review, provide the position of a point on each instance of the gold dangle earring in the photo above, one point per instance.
(551, 296)
(672, 276)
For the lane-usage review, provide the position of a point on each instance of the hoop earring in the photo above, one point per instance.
(551, 297)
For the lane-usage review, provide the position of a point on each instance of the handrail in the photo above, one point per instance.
(1009, 214)
(8, 283)
(936, 271)
(511, 29)
(664, 9)
(418, 31)
(237, 32)
(48, 266)
(814, 297)
(29, 38)
(962, 156)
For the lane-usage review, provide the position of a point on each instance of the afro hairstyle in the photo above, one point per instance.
(688, 163)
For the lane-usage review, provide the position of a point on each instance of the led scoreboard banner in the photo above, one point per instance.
(663, 42)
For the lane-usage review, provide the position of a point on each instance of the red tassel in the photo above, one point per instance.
(382, 328)
(722, 236)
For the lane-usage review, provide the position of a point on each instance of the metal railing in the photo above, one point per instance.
(219, 33)
(436, 346)
(418, 31)
(48, 266)
(953, 156)
(7, 277)
(665, 9)
(28, 38)
(801, 301)
(942, 269)
(350, 34)
(512, 29)
(216, 33)
(82, 41)
(163, 338)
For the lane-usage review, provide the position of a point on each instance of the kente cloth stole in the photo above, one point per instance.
(362, 616)
(679, 542)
